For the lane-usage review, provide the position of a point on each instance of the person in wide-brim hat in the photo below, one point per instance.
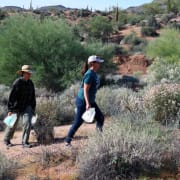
(25, 68)
(22, 101)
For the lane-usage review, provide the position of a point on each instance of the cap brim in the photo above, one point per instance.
(100, 60)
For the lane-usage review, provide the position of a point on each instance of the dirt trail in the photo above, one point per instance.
(60, 134)
(66, 170)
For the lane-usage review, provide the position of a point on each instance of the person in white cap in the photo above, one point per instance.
(21, 101)
(86, 96)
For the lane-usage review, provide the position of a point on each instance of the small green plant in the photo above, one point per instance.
(148, 31)
(132, 39)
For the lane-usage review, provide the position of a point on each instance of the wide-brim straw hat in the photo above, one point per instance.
(25, 68)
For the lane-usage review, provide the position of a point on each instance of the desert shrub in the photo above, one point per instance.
(100, 28)
(152, 9)
(164, 101)
(56, 108)
(128, 150)
(166, 17)
(163, 71)
(83, 13)
(47, 113)
(167, 46)
(136, 43)
(52, 156)
(49, 45)
(114, 100)
(132, 39)
(7, 168)
(148, 31)
(166, 52)
(43, 92)
(134, 19)
(66, 104)
(152, 22)
(3, 14)
(4, 94)
(174, 25)
(140, 47)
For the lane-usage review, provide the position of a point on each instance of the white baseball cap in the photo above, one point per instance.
(95, 58)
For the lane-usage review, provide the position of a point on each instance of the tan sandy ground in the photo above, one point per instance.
(30, 160)
(64, 170)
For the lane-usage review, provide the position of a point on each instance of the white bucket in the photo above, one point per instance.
(10, 120)
(34, 119)
(88, 115)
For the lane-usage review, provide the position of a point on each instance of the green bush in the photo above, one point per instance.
(50, 46)
(83, 13)
(148, 31)
(152, 9)
(132, 39)
(163, 71)
(136, 44)
(100, 28)
(165, 51)
(129, 148)
(8, 168)
(164, 102)
(3, 14)
(167, 46)
(151, 22)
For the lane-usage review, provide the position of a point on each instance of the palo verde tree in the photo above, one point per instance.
(50, 46)
(100, 28)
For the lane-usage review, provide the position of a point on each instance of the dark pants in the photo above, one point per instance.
(81, 108)
(27, 116)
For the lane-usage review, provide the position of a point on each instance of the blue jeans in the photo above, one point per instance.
(81, 108)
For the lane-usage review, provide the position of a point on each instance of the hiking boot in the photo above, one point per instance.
(8, 143)
(26, 145)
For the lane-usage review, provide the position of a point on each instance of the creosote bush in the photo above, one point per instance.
(164, 102)
(7, 168)
(66, 104)
(129, 149)
(114, 100)
(52, 156)
(44, 127)
(163, 71)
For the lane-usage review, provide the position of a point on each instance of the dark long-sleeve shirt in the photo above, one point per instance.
(22, 95)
